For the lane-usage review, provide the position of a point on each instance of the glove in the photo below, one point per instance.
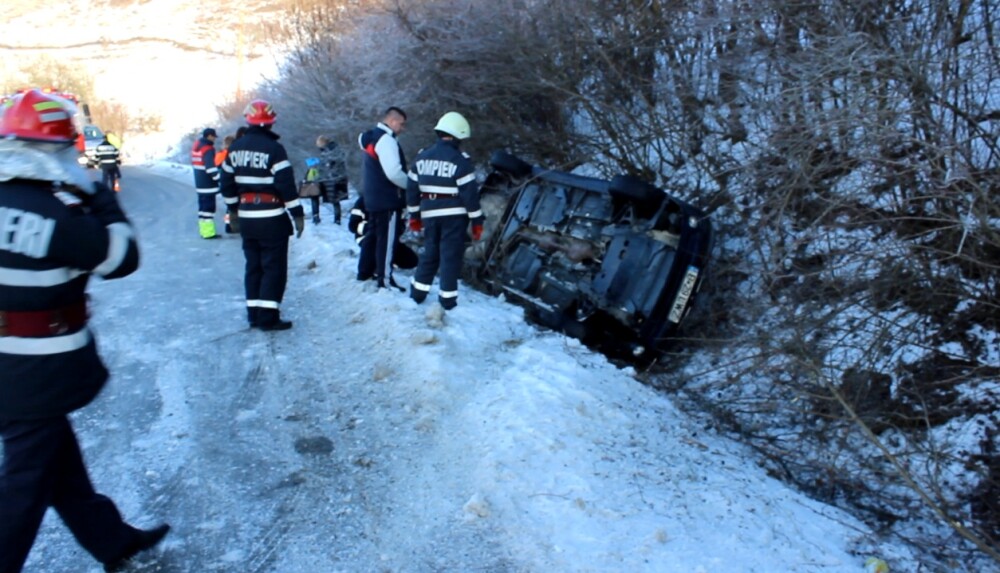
(477, 232)
(104, 206)
(300, 225)
(416, 225)
(234, 220)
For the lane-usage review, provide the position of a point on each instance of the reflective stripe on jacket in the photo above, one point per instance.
(206, 174)
(55, 241)
(442, 183)
(258, 165)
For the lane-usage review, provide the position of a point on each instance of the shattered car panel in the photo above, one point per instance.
(615, 263)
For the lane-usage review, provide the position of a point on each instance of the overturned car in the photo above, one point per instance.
(614, 263)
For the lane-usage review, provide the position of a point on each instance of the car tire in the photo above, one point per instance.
(635, 190)
(509, 163)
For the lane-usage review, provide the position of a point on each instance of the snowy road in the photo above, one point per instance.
(259, 448)
(376, 437)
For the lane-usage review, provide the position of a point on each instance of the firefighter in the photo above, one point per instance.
(442, 199)
(206, 182)
(108, 158)
(258, 186)
(60, 228)
(383, 185)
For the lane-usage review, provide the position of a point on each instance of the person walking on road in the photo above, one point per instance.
(258, 186)
(60, 229)
(383, 184)
(108, 158)
(206, 182)
(442, 199)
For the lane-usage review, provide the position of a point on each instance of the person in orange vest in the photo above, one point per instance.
(206, 182)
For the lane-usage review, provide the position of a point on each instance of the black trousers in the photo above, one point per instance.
(444, 248)
(333, 193)
(109, 175)
(383, 228)
(366, 260)
(265, 277)
(42, 468)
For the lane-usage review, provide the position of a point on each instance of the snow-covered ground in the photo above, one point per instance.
(379, 435)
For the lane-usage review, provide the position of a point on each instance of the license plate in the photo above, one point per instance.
(687, 287)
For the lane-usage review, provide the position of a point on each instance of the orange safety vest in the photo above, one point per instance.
(198, 152)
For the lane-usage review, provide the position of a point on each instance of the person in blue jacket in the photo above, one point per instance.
(383, 183)
(60, 228)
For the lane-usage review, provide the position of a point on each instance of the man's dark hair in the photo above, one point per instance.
(392, 109)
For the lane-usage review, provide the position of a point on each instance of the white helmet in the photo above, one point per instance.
(454, 125)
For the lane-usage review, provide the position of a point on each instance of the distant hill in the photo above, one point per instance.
(171, 58)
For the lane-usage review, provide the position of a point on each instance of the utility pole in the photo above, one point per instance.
(239, 60)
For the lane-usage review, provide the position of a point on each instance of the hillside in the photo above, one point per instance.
(171, 58)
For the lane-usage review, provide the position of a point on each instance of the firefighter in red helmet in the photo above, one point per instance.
(258, 186)
(61, 228)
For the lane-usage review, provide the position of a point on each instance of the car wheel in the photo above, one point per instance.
(510, 163)
(634, 189)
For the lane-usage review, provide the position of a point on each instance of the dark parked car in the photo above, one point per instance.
(614, 263)
(92, 137)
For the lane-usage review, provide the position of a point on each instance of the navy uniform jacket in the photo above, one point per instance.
(258, 179)
(443, 183)
(206, 174)
(383, 177)
(52, 241)
(108, 156)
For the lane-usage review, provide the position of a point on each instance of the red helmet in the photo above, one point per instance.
(259, 112)
(36, 116)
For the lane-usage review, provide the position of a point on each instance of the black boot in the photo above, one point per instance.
(448, 303)
(144, 539)
(270, 319)
(279, 324)
(392, 283)
(417, 295)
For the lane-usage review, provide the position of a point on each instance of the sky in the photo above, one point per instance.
(385, 436)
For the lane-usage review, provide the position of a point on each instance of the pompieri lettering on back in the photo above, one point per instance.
(436, 167)
(25, 233)
(248, 158)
